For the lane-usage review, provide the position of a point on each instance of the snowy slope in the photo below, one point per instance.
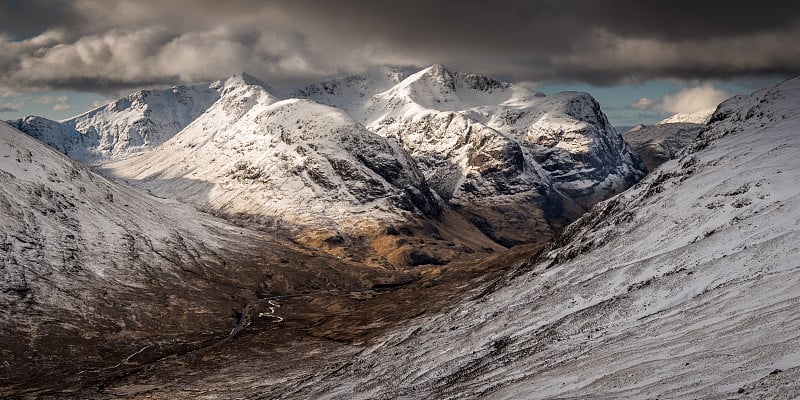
(291, 163)
(700, 117)
(131, 125)
(660, 143)
(506, 157)
(685, 286)
(61, 137)
(81, 256)
(352, 93)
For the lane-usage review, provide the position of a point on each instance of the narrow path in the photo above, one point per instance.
(244, 318)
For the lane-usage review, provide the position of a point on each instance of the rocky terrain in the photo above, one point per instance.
(684, 286)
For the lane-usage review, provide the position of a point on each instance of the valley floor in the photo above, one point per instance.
(279, 342)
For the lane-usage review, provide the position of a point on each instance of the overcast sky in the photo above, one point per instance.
(642, 59)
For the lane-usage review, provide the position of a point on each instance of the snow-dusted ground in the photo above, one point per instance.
(685, 286)
(57, 215)
(97, 278)
(90, 268)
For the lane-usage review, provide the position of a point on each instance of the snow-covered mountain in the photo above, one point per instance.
(700, 117)
(297, 165)
(351, 93)
(133, 124)
(660, 143)
(515, 162)
(362, 153)
(685, 286)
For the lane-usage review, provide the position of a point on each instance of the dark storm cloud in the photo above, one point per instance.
(22, 18)
(111, 45)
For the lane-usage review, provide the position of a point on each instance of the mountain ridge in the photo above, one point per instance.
(517, 165)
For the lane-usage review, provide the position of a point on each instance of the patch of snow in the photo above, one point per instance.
(700, 117)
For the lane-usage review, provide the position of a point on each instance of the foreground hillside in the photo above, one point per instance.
(96, 278)
(684, 286)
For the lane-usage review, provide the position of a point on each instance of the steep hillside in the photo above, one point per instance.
(660, 143)
(96, 278)
(684, 286)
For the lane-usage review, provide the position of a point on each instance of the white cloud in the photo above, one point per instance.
(12, 106)
(44, 100)
(685, 101)
(643, 103)
(108, 46)
(694, 99)
(59, 102)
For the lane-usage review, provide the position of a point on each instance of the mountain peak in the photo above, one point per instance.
(439, 74)
(242, 79)
(437, 69)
